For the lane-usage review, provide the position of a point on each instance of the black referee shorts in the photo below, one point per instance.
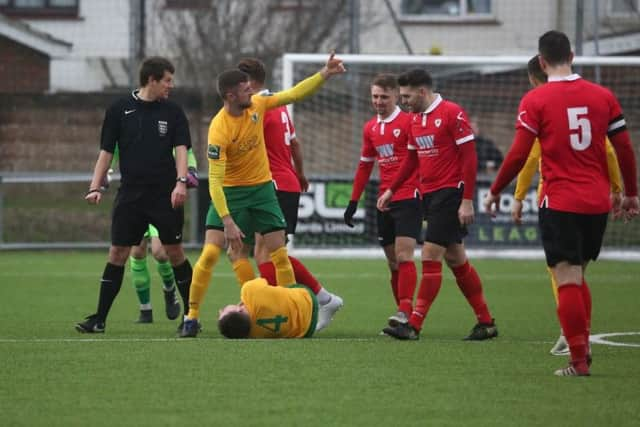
(571, 237)
(440, 210)
(403, 219)
(289, 202)
(135, 209)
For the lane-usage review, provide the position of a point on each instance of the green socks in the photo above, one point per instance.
(141, 281)
(166, 273)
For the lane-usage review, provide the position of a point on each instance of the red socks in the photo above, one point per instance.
(469, 283)
(268, 272)
(573, 319)
(394, 284)
(407, 277)
(429, 288)
(586, 300)
(303, 276)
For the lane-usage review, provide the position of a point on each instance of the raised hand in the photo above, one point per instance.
(333, 66)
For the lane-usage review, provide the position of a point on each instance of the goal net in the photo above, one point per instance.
(329, 126)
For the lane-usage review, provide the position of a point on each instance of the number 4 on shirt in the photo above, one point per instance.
(277, 321)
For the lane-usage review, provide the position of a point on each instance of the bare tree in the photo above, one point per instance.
(210, 36)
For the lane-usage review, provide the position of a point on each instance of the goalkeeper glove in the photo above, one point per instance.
(192, 178)
(350, 212)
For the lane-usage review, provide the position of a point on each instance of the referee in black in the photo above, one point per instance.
(147, 128)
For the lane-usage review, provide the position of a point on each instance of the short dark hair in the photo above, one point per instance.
(154, 67)
(415, 77)
(229, 79)
(555, 47)
(235, 325)
(385, 81)
(254, 68)
(535, 70)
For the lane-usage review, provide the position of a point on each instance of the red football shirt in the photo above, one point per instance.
(571, 117)
(385, 140)
(278, 133)
(437, 135)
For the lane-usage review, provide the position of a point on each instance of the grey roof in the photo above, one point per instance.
(24, 34)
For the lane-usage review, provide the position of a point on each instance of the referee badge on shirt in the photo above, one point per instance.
(254, 117)
(162, 127)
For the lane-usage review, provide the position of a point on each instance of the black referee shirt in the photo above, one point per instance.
(146, 134)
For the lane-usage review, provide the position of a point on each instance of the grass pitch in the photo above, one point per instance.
(348, 375)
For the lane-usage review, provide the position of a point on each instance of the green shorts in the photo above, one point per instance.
(255, 209)
(314, 307)
(151, 232)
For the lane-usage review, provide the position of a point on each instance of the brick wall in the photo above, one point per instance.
(61, 132)
(22, 70)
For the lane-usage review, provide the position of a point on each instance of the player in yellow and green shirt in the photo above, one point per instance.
(537, 77)
(267, 311)
(243, 196)
(138, 258)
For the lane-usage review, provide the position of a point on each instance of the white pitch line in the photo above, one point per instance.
(594, 339)
(134, 340)
(496, 277)
(125, 340)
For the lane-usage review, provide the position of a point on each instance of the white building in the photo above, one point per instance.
(103, 35)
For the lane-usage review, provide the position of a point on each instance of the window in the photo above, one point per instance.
(40, 8)
(187, 4)
(456, 9)
(622, 8)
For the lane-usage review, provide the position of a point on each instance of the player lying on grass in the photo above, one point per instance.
(267, 311)
(244, 200)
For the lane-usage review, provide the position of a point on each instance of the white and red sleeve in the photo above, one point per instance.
(365, 165)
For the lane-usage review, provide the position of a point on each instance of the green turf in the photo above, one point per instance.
(348, 375)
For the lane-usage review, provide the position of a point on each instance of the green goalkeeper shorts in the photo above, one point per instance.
(151, 232)
(255, 209)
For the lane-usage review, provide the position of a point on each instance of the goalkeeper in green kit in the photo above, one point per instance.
(138, 259)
